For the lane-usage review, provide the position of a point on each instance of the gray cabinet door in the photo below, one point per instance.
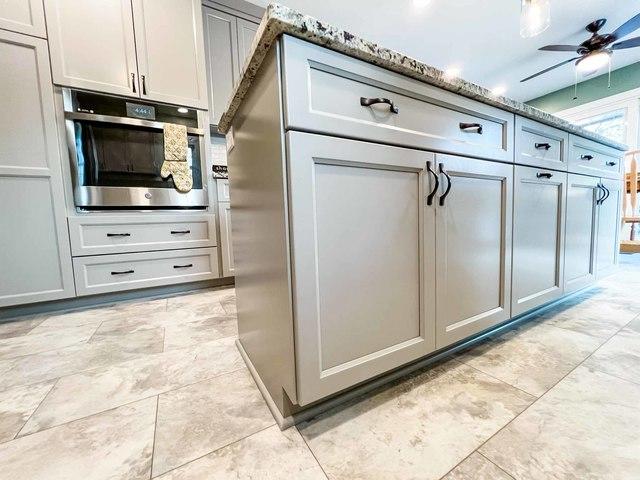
(581, 228)
(226, 243)
(246, 33)
(35, 254)
(23, 16)
(538, 237)
(473, 247)
(221, 50)
(609, 228)
(362, 260)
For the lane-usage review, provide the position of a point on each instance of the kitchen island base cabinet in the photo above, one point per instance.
(363, 259)
(608, 227)
(538, 237)
(473, 245)
(581, 230)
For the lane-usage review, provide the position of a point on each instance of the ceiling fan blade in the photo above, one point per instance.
(627, 27)
(560, 48)
(549, 69)
(632, 42)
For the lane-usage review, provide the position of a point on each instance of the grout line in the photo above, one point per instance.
(17, 435)
(155, 431)
(218, 449)
(95, 331)
(311, 451)
(535, 397)
(496, 465)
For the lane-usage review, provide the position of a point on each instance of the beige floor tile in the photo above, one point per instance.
(115, 445)
(19, 326)
(476, 467)
(620, 356)
(82, 394)
(418, 429)
(267, 455)
(206, 329)
(16, 406)
(77, 358)
(532, 357)
(206, 303)
(43, 341)
(585, 428)
(198, 419)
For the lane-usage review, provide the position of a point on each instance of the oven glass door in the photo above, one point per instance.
(114, 155)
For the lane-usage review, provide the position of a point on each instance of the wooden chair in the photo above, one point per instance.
(630, 214)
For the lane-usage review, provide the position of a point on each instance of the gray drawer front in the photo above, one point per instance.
(98, 234)
(592, 158)
(112, 273)
(539, 145)
(323, 91)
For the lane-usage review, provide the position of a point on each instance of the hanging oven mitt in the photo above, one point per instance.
(175, 157)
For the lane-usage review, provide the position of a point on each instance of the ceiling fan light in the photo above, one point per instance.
(535, 17)
(593, 62)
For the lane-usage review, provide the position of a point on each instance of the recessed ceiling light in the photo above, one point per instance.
(421, 3)
(535, 17)
(183, 110)
(499, 90)
(452, 72)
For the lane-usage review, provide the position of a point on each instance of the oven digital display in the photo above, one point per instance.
(137, 110)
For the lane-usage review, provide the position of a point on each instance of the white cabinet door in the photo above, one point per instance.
(473, 247)
(92, 45)
(581, 228)
(23, 16)
(608, 227)
(226, 243)
(35, 254)
(538, 237)
(170, 48)
(246, 33)
(221, 46)
(362, 260)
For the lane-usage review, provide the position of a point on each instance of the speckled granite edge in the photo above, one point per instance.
(279, 19)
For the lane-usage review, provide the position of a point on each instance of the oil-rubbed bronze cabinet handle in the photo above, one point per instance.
(611, 164)
(189, 265)
(544, 175)
(586, 157)
(448, 189)
(471, 127)
(545, 146)
(367, 102)
(118, 234)
(178, 232)
(144, 84)
(133, 82)
(125, 272)
(436, 184)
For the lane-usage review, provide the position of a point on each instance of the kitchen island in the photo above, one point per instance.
(384, 215)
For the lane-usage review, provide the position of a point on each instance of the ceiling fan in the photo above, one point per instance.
(594, 52)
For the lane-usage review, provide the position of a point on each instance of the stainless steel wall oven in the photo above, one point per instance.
(116, 147)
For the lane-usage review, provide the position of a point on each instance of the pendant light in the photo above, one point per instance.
(535, 17)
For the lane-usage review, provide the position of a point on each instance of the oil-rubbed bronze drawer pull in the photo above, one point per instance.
(189, 265)
(611, 164)
(545, 146)
(367, 102)
(471, 127)
(586, 157)
(118, 234)
(544, 175)
(122, 273)
(180, 232)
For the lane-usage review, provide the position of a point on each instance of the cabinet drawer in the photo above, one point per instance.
(112, 273)
(592, 158)
(540, 145)
(97, 235)
(323, 92)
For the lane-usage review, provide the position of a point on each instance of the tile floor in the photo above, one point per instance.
(157, 389)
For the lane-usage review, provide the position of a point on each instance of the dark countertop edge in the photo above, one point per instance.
(279, 20)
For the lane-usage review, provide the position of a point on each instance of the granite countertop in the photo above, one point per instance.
(279, 20)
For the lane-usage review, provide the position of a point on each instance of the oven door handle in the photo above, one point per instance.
(136, 122)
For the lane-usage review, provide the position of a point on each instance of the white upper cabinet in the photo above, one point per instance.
(170, 50)
(246, 33)
(92, 45)
(23, 16)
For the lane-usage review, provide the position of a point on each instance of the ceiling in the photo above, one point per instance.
(481, 37)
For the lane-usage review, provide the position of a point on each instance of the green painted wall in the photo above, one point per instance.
(622, 80)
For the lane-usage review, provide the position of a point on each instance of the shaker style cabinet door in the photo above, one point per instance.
(581, 229)
(221, 46)
(473, 247)
(92, 45)
(362, 260)
(538, 237)
(35, 254)
(170, 48)
(246, 33)
(23, 16)
(608, 227)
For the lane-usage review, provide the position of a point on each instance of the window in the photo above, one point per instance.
(612, 125)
